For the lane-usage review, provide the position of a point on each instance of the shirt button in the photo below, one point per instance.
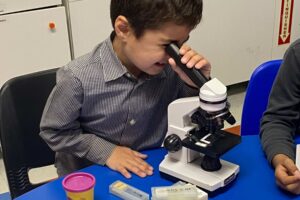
(132, 122)
(128, 75)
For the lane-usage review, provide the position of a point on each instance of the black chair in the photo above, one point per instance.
(22, 100)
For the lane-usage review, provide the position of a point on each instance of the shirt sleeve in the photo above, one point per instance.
(281, 119)
(60, 125)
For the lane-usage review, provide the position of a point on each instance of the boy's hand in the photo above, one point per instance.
(286, 173)
(192, 59)
(125, 160)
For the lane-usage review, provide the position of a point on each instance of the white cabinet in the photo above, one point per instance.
(32, 41)
(8, 6)
(90, 21)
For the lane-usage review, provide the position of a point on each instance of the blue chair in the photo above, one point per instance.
(257, 95)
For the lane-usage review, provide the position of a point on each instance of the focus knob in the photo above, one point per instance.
(173, 143)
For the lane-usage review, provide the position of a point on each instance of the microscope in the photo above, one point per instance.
(195, 140)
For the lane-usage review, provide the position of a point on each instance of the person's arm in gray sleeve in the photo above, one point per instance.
(281, 119)
(60, 127)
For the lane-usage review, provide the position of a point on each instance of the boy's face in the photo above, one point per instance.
(147, 53)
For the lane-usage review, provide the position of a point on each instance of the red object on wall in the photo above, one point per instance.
(286, 18)
(52, 26)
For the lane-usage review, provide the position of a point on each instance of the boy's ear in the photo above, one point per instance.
(122, 27)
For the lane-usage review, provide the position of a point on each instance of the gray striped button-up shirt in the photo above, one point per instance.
(97, 104)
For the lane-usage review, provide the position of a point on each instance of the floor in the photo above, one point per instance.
(236, 94)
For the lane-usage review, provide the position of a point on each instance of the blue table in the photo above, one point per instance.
(255, 180)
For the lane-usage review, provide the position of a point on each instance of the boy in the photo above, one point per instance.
(112, 102)
(280, 122)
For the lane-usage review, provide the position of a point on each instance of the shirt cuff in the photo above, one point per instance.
(100, 150)
(280, 149)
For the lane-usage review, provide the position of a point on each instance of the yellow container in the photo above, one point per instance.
(87, 195)
(79, 186)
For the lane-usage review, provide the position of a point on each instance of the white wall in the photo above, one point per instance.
(238, 35)
(91, 24)
(235, 35)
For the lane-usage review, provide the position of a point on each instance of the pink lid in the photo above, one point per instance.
(78, 182)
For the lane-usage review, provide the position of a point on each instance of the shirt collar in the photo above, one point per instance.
(112, 66)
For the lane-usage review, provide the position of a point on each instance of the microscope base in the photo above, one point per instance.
(193, 173)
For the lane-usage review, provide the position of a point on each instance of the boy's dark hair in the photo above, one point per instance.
(152, 14)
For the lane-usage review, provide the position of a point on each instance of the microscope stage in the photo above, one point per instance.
(193, 173)
(223, 141)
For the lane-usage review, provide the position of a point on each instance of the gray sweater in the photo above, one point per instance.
(280, 122)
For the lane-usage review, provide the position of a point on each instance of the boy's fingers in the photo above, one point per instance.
(137, 170)
(172, 62)
(184, 48)
(142, 165)
(289, 180)
(124, 172)
(125, 161)
(293, 188)
(148, 169)
(188, 56)
(140, 155)
(194, 61)
(202, 63)
(290, 166)
(297, 174)
(141, 170)
(138, 162)
(283, 176)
